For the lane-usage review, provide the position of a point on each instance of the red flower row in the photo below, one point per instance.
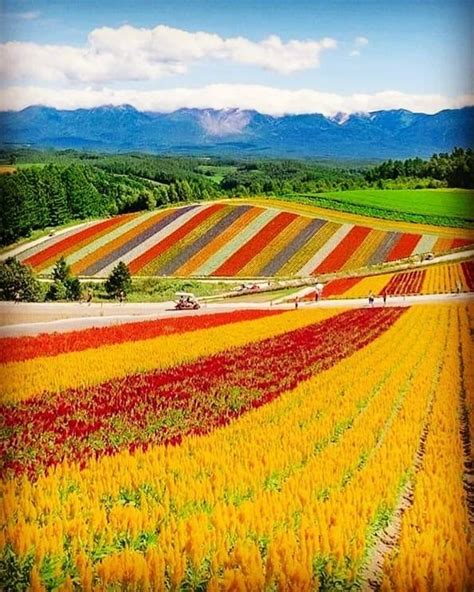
(338, 256)
(194, 398)
(340, 286)
(16, 349)
(253, 247)
(404, 247)
(468, 270)
(405, 283)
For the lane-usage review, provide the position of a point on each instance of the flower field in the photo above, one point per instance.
(448, 278)
(249, 239)
(241, 451)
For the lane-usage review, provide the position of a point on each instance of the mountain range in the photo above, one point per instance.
(379, 134)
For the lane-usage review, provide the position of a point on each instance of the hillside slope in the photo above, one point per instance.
(232, 238)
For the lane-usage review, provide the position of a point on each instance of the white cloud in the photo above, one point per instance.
(361, 41)
(131, 54)
(357, 45)
(29, 15)
(269, 100)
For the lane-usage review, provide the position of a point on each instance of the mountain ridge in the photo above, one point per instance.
(396, 133)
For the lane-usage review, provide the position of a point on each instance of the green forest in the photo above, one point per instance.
(52, 188)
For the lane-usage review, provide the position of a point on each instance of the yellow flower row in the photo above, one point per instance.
(255, 504)
(374, 284)
(361, 255)
(444, 279)
(439, 279)
(22, 380)
(435, 551)
(312, 245)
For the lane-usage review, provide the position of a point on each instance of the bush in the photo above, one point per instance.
(57, 291)
(119, 280)
(73, 288)
(65, 286)
(17, 282)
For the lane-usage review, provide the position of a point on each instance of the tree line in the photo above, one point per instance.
(41, 196)
(62, 186)
(446, 170)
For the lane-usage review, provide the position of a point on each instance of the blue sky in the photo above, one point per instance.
(407, 53)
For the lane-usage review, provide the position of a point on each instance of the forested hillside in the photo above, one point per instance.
(42, 189)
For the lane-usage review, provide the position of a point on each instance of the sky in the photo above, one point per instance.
(274, 56)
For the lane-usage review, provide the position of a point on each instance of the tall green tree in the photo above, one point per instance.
(119, 280)
(57, 201)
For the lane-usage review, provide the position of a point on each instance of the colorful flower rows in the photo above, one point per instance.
(447, 278)
(23, 380)
(164, 406)
(201, 262)
(435, 547)
(255, 245)
(67, 245)
(160, 247)
(292, 495)
(229, 239)
(18, 349)
(343, 251)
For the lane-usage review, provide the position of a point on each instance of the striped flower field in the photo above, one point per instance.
(447, 278)
(250, 451)
(236, 239)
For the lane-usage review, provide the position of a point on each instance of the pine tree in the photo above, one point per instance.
(119, 280)
(57, 201)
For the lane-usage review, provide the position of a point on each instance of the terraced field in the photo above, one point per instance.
(239, 239)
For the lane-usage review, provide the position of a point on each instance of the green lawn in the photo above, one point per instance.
(450, 203)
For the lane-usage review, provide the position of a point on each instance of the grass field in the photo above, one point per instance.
(216, 173)
(457, 203)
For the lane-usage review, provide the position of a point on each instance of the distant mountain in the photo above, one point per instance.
(379, 134)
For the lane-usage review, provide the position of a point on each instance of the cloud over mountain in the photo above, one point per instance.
(265, 99)
(128, 53)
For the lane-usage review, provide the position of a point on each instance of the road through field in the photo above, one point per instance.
(35, 318)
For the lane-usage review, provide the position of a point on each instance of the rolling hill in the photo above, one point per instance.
(232, 238)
